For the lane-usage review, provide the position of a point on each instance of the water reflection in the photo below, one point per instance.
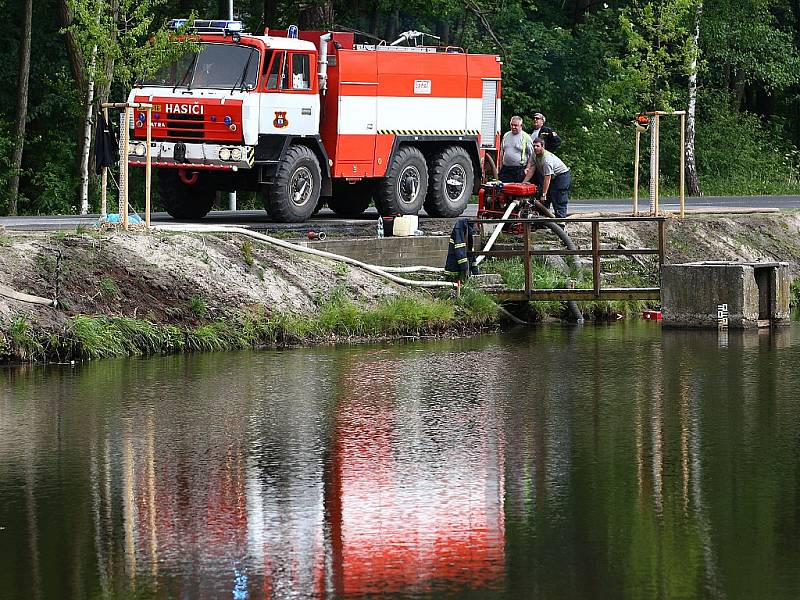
(554, 463)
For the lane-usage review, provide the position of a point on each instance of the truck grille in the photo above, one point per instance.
(185, 127)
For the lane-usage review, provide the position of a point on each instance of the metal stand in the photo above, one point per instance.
(124, 154)
(655, 161)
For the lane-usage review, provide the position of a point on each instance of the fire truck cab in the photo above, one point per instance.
(308, 118)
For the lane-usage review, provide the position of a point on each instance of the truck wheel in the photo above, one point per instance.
(488, 168)
(450, 184)
(350, 200)
(185, 201)
(403, 189)
(294, 192)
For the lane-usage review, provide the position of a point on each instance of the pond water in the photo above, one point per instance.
(614, 461)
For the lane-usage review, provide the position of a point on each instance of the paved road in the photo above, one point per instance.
(258, 219)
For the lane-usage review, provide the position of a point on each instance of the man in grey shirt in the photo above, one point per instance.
(556, 178)
(516, 154)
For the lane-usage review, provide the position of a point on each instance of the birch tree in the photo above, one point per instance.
(117, 40)
(691, 112)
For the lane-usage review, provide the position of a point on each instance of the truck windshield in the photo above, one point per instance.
(222, 66)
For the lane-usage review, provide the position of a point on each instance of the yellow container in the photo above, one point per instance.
(402, 227)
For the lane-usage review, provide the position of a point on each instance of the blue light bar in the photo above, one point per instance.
(177, 23)
(217, 26)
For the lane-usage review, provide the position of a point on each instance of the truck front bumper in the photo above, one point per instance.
(188, 155)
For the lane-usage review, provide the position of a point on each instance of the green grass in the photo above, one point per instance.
(97, 337)
(5, 241)
(108, 287)
(794, 294)
(25, 340)
(198, 307)
(247, 253)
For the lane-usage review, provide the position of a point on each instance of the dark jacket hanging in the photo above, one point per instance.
(106, 149)
(460, 242)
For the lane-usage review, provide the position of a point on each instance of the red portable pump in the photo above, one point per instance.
(494, 198)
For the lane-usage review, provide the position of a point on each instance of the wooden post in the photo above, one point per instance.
(656, 132)
(123, 192)
(636, 175)
(596, 258)
(148, 170)
(683, 160)
(662, 237)
(527, 256)
(104, 177)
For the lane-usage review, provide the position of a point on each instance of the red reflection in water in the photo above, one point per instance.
(398, 506)
(409, 519)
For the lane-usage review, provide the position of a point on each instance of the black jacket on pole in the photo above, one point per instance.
(458, 263)
(106, 149)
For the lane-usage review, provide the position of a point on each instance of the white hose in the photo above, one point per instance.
(22, 297)
(415, 269)
(380, 271)
(498, 228)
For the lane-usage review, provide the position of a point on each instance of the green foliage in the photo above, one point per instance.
(198, 307)
(794, 294)
(247, 253)
(25, 342)
(476, 305)
(341, 269)
(589, 67)
(125, 35)
(764, 162)
(108, 287)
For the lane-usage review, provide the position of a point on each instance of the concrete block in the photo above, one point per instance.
(408, 251)
(756, 294)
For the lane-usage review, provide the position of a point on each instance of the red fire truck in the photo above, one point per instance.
(307, 118)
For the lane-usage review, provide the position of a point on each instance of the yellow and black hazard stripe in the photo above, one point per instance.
(251, 155)
(439, 132)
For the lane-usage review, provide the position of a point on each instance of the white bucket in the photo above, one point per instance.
(413, 223)
(402, 226)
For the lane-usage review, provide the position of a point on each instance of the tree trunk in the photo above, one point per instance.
(691, 162)
(73, 52)
(22, 104)
(270, 9)
(443, 30)
(392, 26)
(86, 142)
(108, 65)
(372, 27)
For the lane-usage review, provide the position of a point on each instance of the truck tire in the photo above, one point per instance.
(451, 183)
(350, 200)
(402, 190)
(185, 201)
(488, 168)
(294, 192)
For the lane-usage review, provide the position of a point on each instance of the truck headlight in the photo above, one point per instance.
(224, 153)
(236, 153)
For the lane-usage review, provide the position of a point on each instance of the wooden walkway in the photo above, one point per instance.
(597, 292)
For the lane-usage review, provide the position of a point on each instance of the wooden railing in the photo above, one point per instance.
(597, 292)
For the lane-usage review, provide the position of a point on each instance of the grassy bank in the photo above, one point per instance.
(339, 320)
